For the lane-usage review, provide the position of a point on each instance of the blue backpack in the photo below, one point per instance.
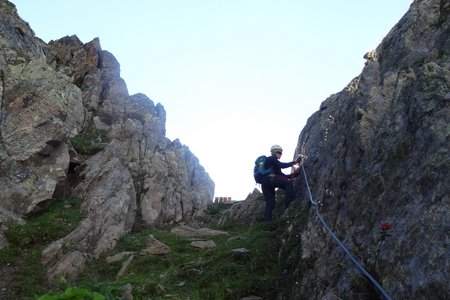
(259, 170)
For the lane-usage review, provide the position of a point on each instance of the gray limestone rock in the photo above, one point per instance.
(378, 152)
(118, 257)
(70, 266)
(186, 231)
(68, 127)
(248, 211)
(155, 247)
(204, 244)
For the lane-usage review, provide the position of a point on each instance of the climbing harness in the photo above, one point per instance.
(358, 265)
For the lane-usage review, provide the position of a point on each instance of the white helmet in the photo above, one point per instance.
(276, 148)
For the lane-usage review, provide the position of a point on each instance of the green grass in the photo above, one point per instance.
(26, 243)
(47, 227)
(188, 272)
(184, 273)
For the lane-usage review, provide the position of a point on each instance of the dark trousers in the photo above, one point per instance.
(268, 186)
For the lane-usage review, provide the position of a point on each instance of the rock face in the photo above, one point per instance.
(68, 127)
(248, 212)
(378, 152)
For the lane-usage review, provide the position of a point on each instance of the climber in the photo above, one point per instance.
(277, 179)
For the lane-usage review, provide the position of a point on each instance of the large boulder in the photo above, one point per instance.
(248, 212)
(40, 109)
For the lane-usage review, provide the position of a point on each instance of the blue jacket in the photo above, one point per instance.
(273, 163)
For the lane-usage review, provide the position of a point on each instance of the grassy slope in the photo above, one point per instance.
(185, 273)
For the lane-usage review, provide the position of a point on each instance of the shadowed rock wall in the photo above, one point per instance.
(378, 152)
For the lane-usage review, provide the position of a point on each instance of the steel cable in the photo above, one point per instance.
(358, 265)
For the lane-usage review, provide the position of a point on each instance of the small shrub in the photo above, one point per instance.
(90, 140)
(74, 293)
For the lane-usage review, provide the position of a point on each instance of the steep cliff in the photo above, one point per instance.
(68, 127)
(378, 152)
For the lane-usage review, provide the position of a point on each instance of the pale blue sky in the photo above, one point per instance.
(234, 76)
